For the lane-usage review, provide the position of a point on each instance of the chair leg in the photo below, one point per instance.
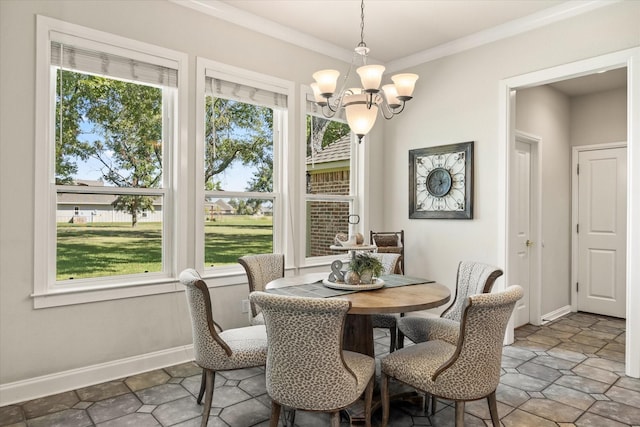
(459, 413)
(203, 383)
(275, 414)
(335, 419)
(368, 398)
(400, 340)
(493, 409)
(393, 344)
(208, 398)
(384, 394)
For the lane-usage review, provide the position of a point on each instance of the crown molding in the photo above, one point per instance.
(509, 29)
(226, 12)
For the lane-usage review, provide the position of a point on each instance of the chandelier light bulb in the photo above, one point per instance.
(391, 94)
(360, 116)
(405, 83)
(327, 81)
(317, 95)
(371, 76)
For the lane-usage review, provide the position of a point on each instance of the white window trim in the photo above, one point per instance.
(45, 293)
(354, 189)
(281, 158)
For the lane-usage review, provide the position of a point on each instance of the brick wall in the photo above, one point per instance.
(326, 219)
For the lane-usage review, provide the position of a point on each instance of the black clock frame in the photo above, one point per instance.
(467, 213)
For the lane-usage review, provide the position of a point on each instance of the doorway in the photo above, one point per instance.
(507, 91)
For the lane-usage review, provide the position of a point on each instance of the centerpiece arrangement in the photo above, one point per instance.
(363, 268)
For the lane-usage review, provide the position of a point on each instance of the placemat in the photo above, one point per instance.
(394, 280)
(315, 290)
(318, 290)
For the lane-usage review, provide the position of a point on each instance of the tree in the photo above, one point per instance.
(322, 132)
(126, 118)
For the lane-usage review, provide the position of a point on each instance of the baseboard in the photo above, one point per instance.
(47, 385)
(556, 314)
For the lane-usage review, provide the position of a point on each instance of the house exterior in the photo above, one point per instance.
(117, 332)
(328, 172)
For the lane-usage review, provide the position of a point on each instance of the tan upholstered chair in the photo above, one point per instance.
(473, 278)
(261, 269)
(391, 264)
(468, 370)
(389, 242)
(217, 350)
(306, 366)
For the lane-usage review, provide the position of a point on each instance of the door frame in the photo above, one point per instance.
(575, 151)
(535, 226)
(629, 58)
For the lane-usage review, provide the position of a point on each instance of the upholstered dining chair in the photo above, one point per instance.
(217, 350)
(307, 369)
(472, 278)
(391, 264)
(465, 371)
(261, 269)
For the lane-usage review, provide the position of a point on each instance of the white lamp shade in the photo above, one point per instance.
(391, 94)
(327, 81)
(405, 83)
(370, 76)
(360, 118)
(316, 93)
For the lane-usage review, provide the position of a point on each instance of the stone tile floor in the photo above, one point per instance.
(567, 373)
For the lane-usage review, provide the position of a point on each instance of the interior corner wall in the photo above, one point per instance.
(544, 112)
(599, 117)
(457, 99)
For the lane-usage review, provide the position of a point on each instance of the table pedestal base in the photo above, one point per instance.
(358, 334)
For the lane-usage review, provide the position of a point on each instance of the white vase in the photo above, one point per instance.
(366, 277)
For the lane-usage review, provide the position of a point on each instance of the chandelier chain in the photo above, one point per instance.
(362, 43)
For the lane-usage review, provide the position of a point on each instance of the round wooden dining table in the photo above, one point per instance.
(358, 330)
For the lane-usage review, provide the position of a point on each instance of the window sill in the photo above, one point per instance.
(89, 294)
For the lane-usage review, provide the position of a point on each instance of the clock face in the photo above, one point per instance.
(440, 182)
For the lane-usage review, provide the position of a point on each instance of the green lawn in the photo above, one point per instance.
(107, 249)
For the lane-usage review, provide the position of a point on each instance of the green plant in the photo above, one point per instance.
(363, 262)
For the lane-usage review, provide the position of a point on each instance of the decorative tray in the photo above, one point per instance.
(344, 286)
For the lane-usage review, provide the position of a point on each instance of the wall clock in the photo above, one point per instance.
(441, 182)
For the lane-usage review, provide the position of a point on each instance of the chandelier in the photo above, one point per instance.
(362, 104)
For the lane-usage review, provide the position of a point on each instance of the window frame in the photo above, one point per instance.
(354, 197)
(282, 129)
(46, 291)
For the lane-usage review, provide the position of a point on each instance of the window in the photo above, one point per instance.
(330, 185)
(108, 184)
(244, 127)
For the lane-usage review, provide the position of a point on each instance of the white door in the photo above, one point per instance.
(601, 231)
(522, 229)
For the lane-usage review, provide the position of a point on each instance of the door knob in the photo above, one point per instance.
(529, 243)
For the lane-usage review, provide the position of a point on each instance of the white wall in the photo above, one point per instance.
(545, 112)
(599, 118)
(456, 100)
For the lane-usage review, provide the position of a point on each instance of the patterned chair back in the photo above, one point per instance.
(474, 370)
(261, 269)
(305, 366)
(208, 346)
(473, 278)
